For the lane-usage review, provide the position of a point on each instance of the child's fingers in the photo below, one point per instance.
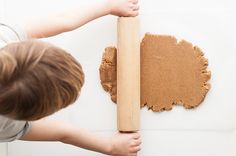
(134, 13)
(134, 1)
(136, 7)
(136, 135)
(134, 10)
(136, 143)
(136, 149)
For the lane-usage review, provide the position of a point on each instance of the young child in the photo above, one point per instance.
(38, 79)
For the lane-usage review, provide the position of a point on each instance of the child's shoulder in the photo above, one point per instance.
(12, 129)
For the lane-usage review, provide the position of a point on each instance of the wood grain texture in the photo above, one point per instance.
(128, 74)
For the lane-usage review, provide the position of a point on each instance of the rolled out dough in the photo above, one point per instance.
(171, 73)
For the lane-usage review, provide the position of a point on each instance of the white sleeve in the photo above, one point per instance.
(11, 33)
(11, 130)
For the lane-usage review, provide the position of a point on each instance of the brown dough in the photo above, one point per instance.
(108, 71)
(171, 73)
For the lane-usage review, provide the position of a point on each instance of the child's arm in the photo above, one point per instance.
(119, 145)
(72, 19)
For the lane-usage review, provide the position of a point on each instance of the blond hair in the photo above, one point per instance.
(37, 79)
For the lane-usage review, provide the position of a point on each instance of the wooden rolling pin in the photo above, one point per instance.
(128, 74)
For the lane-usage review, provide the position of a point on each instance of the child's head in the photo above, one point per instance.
(37, 79)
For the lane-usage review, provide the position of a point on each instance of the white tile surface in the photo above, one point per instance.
(2, 9)
(3, 149)
(207, 130)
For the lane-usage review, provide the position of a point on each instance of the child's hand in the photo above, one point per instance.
(125, 144)
(123, 7)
